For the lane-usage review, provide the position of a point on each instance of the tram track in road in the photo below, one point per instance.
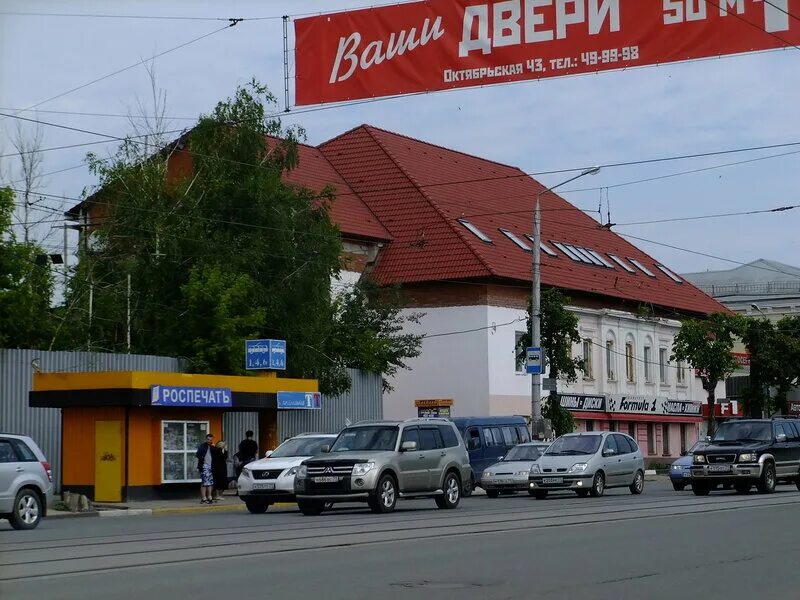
(184, 548)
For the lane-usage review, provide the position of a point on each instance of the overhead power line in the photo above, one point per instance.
(715, 216)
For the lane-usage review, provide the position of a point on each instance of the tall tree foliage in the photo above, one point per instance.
(220, 249)
(26, 286)
(559, 331)
(706, 345)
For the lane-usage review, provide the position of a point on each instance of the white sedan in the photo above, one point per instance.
(271, 479)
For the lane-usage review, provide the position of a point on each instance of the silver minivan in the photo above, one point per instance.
(26, 481)
(588, 463)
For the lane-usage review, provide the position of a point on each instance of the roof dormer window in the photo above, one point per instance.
(641, 267)
(513, 237)
(475, 231)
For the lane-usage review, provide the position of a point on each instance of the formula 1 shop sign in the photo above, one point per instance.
(443, 44)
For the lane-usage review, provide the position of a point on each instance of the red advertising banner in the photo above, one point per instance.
(444, 44)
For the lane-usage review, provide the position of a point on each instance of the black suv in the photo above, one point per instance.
(760, 452)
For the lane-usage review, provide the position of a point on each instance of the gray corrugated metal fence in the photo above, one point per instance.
(44, 424)
(363, 402)
(234, 425)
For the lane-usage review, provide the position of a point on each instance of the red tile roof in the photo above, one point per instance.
(418, 191)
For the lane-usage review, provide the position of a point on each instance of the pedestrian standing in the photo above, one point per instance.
(205, 455)
(219, 469)
(248, 451)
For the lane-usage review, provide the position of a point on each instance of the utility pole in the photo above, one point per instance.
(128, 334)
(536, 299)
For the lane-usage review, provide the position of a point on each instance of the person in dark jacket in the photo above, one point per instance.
(219, 469)
(204, 455)
(248, 452)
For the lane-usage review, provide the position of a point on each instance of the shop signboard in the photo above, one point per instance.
(725, 409)
(299, 400)
(794, 407)
(437, 407)
(190, 397)
(655, 405)
(265, 355)
(583, 403)
(417, 47)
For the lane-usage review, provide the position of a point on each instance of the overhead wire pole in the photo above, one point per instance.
(536, 300)
(286, 64)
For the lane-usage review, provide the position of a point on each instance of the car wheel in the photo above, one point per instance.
(766, 483)
(637, 487)
(468, 488)
(742, 488)
(452, 492)
(538, 494)
(385, 497)
(700, 488)
(582, 493)
(27, 510)
(598, 485)
(256, 506)
(678, 487)
(492, 493)
(311, 508)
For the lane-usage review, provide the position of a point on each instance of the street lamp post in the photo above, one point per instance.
(536, 304)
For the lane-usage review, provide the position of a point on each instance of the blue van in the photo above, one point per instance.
(489, 438)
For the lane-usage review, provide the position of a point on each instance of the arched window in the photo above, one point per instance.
(630, 360)
(611, 356)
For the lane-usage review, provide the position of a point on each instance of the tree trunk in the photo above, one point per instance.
(711, 402)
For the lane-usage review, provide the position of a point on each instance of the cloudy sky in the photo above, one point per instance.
(689, 108)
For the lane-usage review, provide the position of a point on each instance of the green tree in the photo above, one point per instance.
(26, 286)
(706, 345)
(219, 248)
(559, 331)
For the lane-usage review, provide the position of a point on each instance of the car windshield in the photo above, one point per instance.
(744, 431)
(302, 446)
(522, 453)
(366, 438)
(572, 445)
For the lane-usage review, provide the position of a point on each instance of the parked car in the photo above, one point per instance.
(26, 481)
(680, 472)
(271, 479)
(760, 452)
(378, 462)
(489, 438)
(588, 463)
(510, 473)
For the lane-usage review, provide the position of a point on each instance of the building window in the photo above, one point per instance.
(663, 366)
(630, 365)
(590, 425)
(588, 370)
(648, 364)
(651, 439)
(519, 357)
(179, 442)
(632, 430)
(681, 374)
(610, 360)
(612, 426)
(475, 231)
(665, 439)
(684, 438)
(641, 267)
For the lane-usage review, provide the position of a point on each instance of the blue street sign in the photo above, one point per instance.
(168, 395)
(534, 363)
(265, 355)
(300, 400)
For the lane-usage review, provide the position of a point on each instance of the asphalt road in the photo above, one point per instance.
(661, 545)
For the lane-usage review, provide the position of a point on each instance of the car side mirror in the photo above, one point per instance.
(408, 446)
(684, 453)
(268, 453)
(708, 439)
(780, 438)
(325, 449)
(500, 457)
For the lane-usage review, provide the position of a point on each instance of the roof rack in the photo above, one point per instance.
(441, 419)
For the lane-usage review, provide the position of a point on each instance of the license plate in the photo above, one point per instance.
(553, 480)
(719, 468)
(263, 486)
(326, 479)
(685, 475)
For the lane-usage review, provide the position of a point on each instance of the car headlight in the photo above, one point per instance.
(748, 457)
(699, 458)
(290, 472)
(677, 467)
(246, 473)
(578, 468)
(301, 472)
(535, 469)
(362, 469)
(521, 472)
(488, 474)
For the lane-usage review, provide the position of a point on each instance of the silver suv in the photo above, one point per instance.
(26, 481)
(380, 461)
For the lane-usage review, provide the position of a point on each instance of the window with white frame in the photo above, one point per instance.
(681, 374)
(663, 366)
(648, 364)
(179, 442)
(588, 370)
(610, 360)
(519, 359)
(630, 363)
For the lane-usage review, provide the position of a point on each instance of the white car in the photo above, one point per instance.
(271, 479)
